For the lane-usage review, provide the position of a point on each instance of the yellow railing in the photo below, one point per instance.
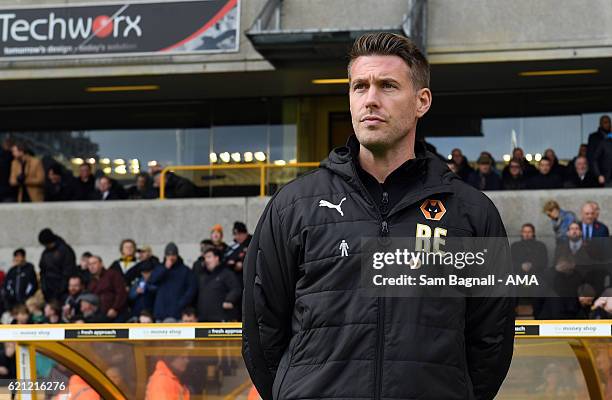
(263, 168)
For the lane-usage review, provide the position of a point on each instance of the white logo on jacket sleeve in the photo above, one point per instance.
(325, 203)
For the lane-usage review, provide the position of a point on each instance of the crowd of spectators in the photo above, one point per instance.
(577, 276)
(26, 178)
(590, 168)
(136, 287)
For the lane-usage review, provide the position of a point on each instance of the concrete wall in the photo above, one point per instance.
(100, 226)
(501, 30)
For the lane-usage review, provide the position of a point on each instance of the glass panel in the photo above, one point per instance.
(541, 368)
(590, 123)
(50, 370)
(549, 369)
(534, 134)
(206, 368)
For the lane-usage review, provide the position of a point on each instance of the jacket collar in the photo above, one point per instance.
(434, 175)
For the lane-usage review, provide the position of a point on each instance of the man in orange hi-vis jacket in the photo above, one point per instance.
(164, 384)
(78, 389)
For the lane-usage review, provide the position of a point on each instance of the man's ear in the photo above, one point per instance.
(423, 102)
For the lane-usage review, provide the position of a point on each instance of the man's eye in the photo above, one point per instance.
(388, 85)
(358, 86)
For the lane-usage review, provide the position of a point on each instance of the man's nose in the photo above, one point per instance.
(372, 97)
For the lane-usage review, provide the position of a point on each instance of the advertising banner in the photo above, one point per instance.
(120, 29)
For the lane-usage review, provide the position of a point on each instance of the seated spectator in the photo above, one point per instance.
(580, 177)
(189, 315)
(90, 309)
(199, 263)
(145, 317)
(597, 210)
(71, 306)
(560, 219)
(219, 291)
(555, 167)
(21, 315)
(58, 187)
(528, 254)
(142, 293)
(109, 189)
(145, 253)
(582, 152)
(563, 303)
(8, 364)
(53, 312)
(545, 179)
(216, 237)
(602, 161)
(57, 263)
(587, 257)
(493, 161)
(236, 252)
(84, 268)
(176, 187)
(85, 184)
(35, 305)
(144, 256)
(484, 178)
(175, 285)
(27, 175)
(591, 228)
(127, 259)
(21, 282)
(575, 247)
(514, 179)
(463, 167)
(527, 169)
(109, 286)
(142, 190)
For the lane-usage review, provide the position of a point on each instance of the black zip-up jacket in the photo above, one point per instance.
(214, 288)
(20, 283)
(309, 332)
(56, 266)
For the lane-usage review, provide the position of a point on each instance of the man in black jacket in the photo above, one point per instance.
(580, 177)
(58, 186)
(85, 184)
(57, 264)
(484, 178)
(309, 330)
(545, 179)
(597, 137)
(602, 161)
(219, 291)
(20, 282)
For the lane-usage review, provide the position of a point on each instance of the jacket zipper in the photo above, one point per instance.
(380, 301)
(380, 344)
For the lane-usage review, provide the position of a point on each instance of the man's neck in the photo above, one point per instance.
(381, 165)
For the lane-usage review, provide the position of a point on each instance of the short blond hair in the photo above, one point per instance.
(550, 205)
